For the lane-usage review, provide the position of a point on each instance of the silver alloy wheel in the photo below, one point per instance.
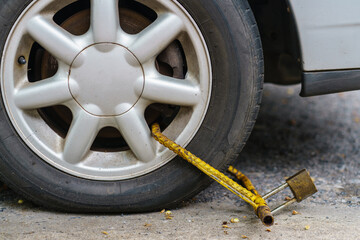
(107, 78)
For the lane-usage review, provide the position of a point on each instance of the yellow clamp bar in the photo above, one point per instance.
(249, 195)
(243, 179)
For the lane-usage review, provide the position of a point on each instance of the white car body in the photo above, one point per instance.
(329, 32)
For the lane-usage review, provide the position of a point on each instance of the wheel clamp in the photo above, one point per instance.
(300, 184)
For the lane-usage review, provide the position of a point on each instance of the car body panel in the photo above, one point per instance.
(329, 33)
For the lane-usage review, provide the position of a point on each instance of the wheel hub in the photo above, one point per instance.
(105, 79)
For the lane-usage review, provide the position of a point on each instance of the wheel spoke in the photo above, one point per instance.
(169, 90)
(136, 133)
(81, 136)
(105, 20)
(46, 93)
(156, 37)
(54, 39)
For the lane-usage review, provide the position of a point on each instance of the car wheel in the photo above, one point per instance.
(82, 81)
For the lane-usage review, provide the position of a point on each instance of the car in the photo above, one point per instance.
(82, 81)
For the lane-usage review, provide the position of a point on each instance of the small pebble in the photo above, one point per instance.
(295, 212)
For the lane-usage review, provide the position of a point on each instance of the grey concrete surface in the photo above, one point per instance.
(292, 133)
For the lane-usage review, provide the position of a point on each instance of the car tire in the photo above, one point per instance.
(230, 34)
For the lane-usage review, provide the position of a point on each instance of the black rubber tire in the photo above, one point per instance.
(234, 44)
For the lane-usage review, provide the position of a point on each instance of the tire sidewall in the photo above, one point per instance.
(234, 56)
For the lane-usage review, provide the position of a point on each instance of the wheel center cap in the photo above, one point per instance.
(105, 80)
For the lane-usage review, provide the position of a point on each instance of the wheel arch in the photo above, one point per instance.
(280, 40)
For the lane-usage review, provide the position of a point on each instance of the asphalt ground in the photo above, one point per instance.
(320, 134)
